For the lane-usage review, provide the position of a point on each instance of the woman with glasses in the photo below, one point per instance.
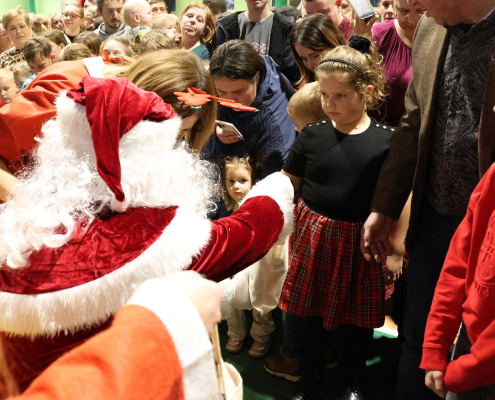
(393, 40)
(73, 17)
(18, 26)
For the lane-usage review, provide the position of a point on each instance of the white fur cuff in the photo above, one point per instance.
(279, 188)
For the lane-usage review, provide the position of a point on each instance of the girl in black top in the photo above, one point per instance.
(335, 164)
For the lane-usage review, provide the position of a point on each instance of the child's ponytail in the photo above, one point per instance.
(360, 64)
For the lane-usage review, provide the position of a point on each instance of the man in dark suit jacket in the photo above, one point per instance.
(444, 144)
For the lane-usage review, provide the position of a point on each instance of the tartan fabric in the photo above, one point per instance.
(328, 275)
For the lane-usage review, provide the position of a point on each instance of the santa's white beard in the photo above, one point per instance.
(65, 185)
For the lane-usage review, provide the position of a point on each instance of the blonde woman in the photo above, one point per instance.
(162, 72)
(18, 26)
(74, 23)
(197, 30)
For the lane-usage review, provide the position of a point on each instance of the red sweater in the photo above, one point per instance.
(466, 291)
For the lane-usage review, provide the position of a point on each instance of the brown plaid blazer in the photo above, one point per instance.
(406, 165)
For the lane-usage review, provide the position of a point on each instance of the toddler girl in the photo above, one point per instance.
(257, 287)
(335, 164)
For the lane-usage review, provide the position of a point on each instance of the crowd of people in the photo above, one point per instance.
(303, 158)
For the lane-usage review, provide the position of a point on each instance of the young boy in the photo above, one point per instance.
(167, 23)
(465, 293)
(21, 73)
(39, 56)
(156, 40)
(8, 88)
(137, 15)
(305, 106)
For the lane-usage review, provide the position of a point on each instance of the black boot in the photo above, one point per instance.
(308, 385)
(355, 385)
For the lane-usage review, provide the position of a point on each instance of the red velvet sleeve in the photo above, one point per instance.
(134, 359)
(21, 121)
(240, 240)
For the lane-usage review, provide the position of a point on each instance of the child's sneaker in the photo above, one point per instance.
(258, 349)
(284, 367)
(234, 346)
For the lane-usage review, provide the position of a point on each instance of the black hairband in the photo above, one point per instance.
(338, 60)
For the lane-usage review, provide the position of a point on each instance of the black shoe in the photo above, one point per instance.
(355, 386)
(308, 385)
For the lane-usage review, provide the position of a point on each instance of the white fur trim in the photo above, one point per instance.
(94, 302)
(228, 298)
(188, 333)
(279, 188)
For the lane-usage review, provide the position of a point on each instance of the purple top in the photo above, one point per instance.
(397, 65)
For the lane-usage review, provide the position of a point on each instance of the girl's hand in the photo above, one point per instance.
(227, 137)
(434, 381)
(361, 27)
(394, 266)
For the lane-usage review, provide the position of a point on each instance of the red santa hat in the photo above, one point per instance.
(110, 117)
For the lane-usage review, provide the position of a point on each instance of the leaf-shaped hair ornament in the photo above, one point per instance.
(196, 98)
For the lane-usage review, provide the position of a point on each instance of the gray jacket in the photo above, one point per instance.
(124, 30)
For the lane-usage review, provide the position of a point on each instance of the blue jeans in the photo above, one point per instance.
(426, 257)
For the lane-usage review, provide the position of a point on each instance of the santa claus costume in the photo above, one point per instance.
(112, 202)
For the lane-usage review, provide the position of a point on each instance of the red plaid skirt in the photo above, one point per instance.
(328, 275)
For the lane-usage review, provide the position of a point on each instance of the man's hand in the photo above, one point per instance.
(434, 381)
(227, 137)
(205, 295)
(375, 236)
(361, 27)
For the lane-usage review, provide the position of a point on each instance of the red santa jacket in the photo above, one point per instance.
(134, 359)
(156, 348)
(21, 120)
(466, 292)
(69, 294)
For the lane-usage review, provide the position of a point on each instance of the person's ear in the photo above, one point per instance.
(369, 92)
(257, 77)
(98, 11)
(62, 45)
(136, 18)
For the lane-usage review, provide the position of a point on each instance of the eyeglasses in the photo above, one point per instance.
(71, 16)
(405, 16)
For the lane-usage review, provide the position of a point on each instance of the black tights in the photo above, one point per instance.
(356, 343)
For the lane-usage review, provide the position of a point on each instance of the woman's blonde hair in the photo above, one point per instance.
(166, 72)
(123, 41)
(74, 51)
(369, 64)
(305, 104)
(225, 163)
(210, 28)
(11, 14)
(81, 14)
(40, 24)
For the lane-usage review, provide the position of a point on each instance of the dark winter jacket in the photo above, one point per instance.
(269, 132)
(279, 51)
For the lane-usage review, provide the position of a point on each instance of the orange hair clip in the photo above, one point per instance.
(196, 98)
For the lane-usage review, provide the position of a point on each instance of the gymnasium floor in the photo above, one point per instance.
(260, 385)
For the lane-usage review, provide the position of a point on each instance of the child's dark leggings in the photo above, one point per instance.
(306, 338)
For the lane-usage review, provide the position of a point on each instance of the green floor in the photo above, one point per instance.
(260, 385)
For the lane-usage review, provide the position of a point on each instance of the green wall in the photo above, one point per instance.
(49, 6)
